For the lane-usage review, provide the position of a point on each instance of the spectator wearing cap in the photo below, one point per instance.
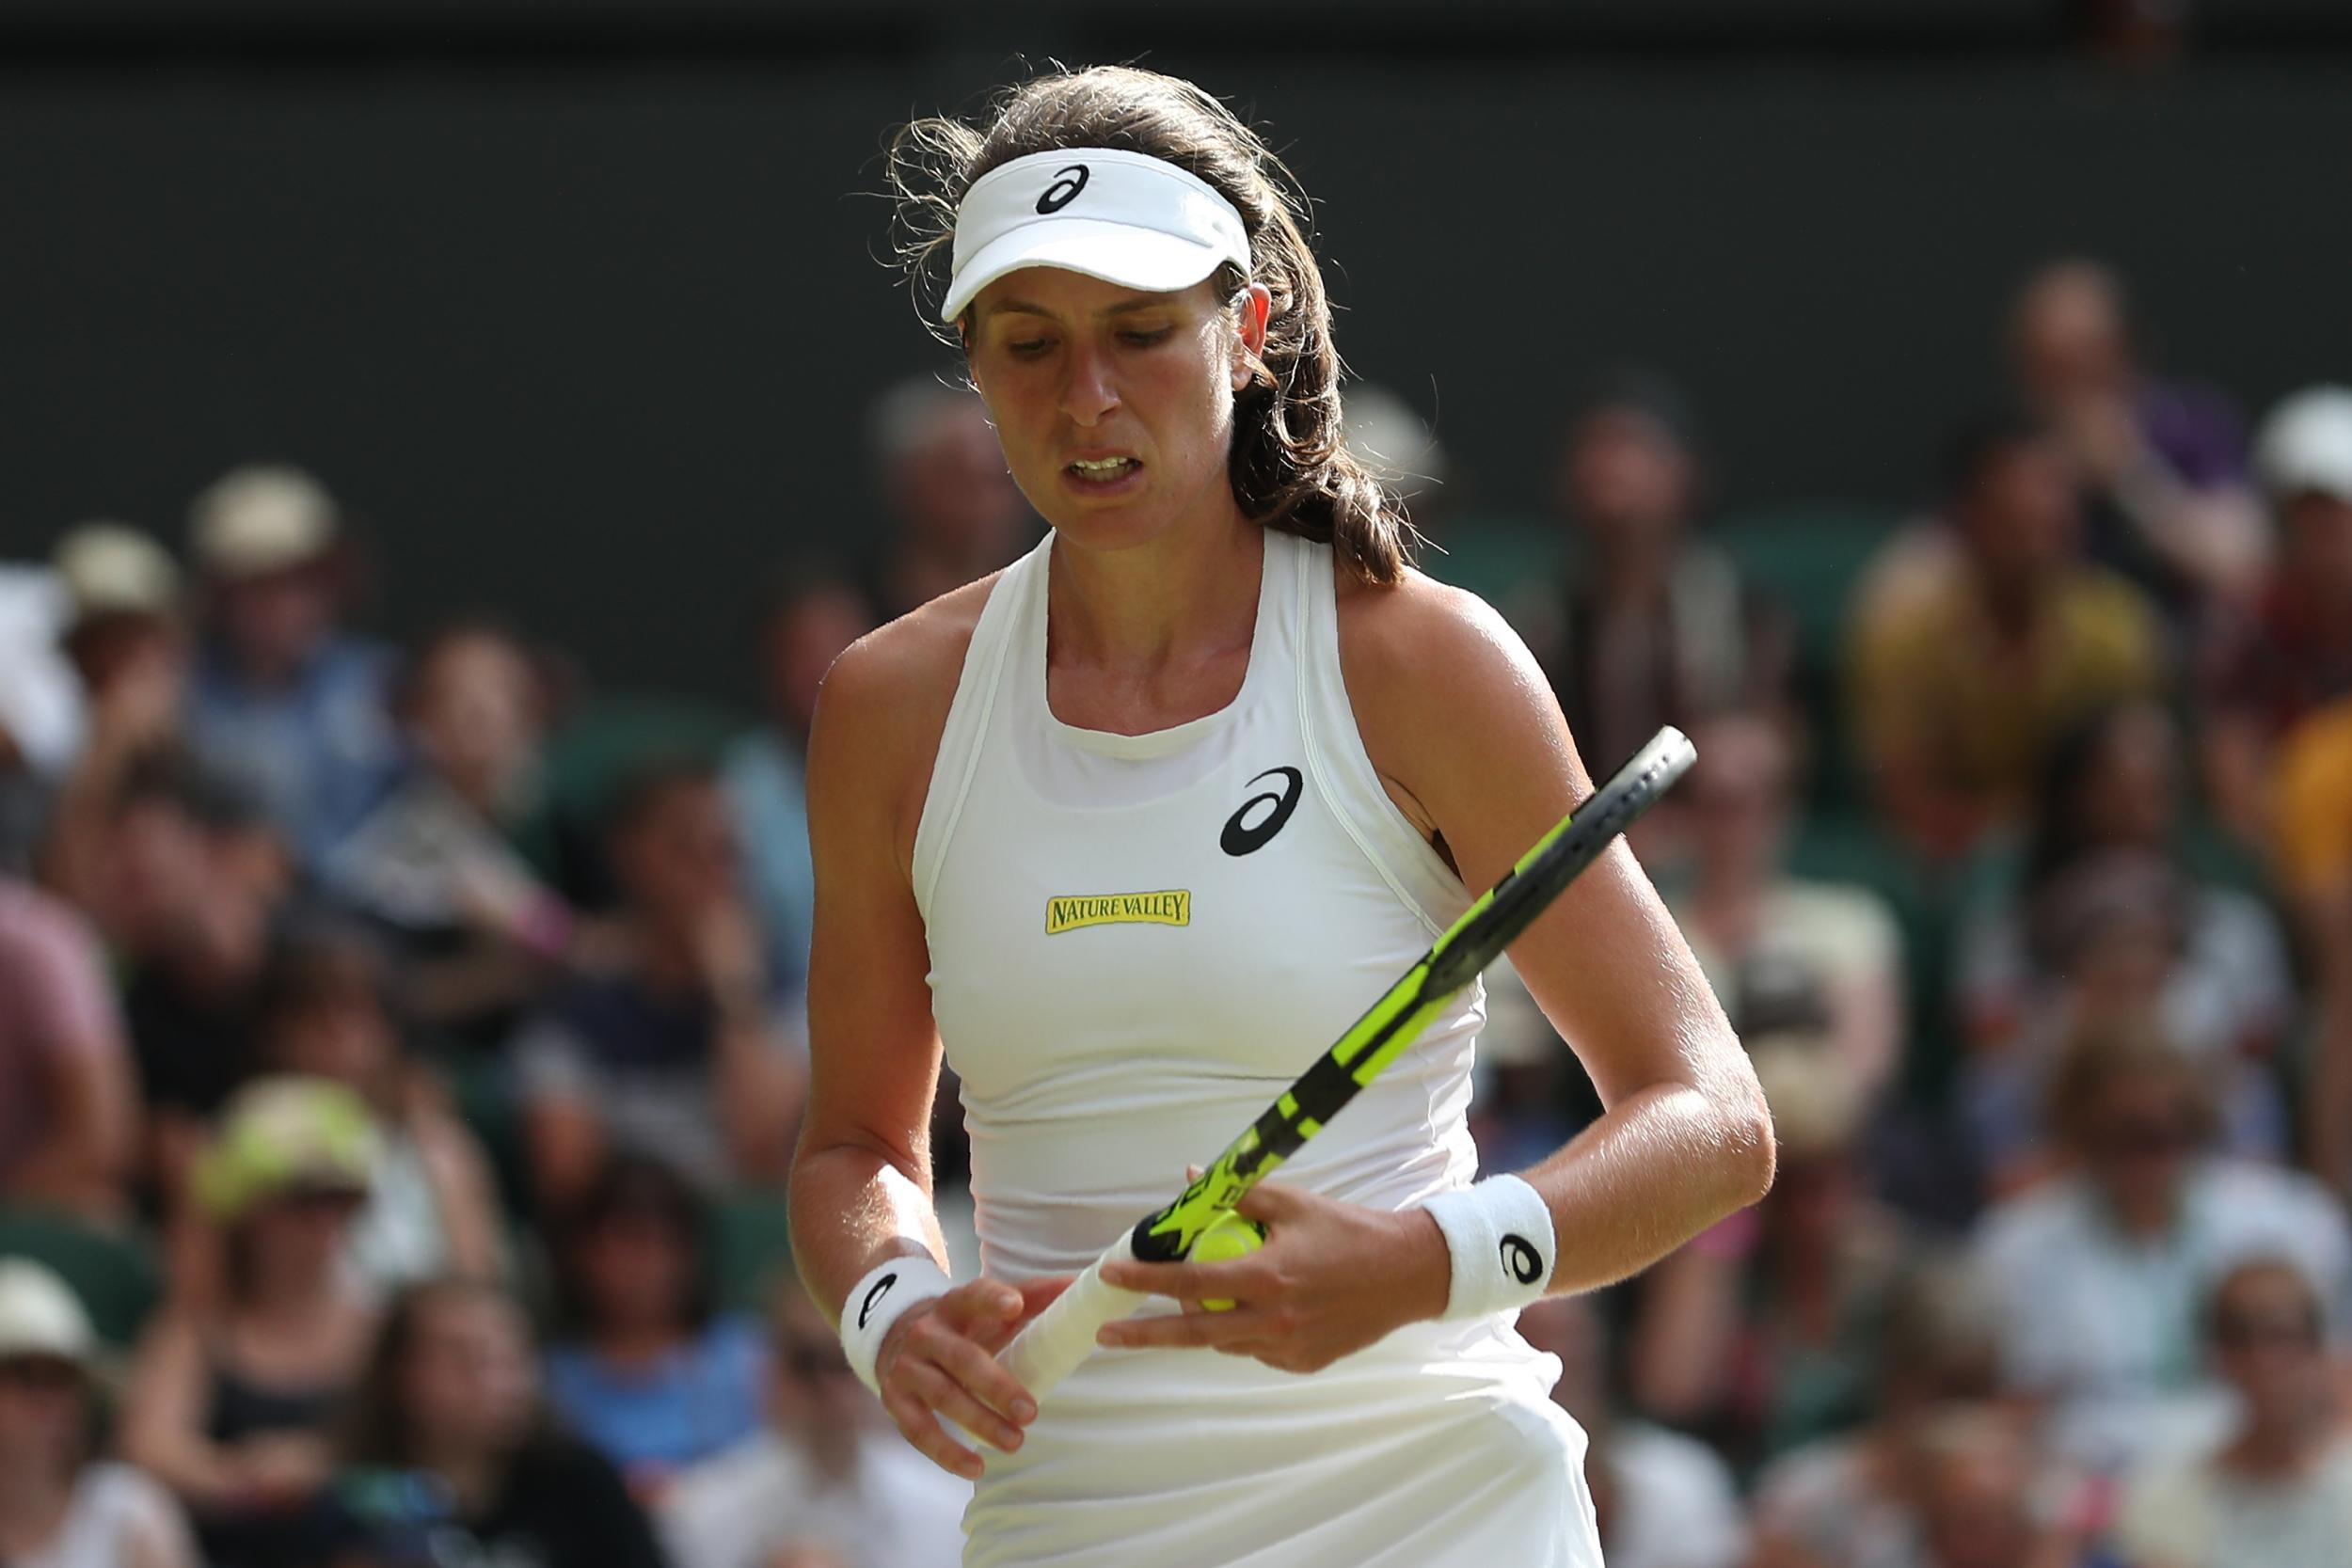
(1763, 1333)
(285, 700)
(454, 864)
(2277, 1491)
(126, 643)
(1965, 666)
(69, 1096)
(1655, 625)
(2161, 464)
(2290, 653)
(2105, 919)
(1663, 1500)
(60, 1506)
(954, 512)
(826, 1472)
(2098, 1273)
(679, 1051)
(325, 1012)
(231, 1403)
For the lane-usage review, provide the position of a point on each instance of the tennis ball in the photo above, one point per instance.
(1230, 1237)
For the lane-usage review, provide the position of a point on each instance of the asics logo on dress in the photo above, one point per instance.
(1245, 837)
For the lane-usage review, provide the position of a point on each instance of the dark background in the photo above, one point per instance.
(577, 308)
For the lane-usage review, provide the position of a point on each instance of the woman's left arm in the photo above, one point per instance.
(1465, 732)
(1464, 729)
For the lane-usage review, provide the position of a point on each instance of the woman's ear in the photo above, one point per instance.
(1252, 307)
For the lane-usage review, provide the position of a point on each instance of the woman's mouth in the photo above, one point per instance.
(1102, 473)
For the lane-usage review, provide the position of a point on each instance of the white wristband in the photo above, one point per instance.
(1499, 1234)
(881, 1299)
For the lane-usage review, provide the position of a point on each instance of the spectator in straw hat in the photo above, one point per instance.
(230, 1401)
(284, 700)
(126, 640)
(60, 1507)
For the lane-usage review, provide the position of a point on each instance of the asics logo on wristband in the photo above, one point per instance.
(1520, 1258)
(874, 1293)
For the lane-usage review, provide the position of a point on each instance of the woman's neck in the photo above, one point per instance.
(291, 1300)
(633, 1347)
(1133, 613)
(2282, 1445)
(34, 1499)
(473, 1476)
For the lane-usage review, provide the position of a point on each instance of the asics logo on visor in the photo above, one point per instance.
(1067, 183)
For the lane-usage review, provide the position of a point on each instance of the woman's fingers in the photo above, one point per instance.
(973, 1366)
(1243, 1326)
(948, 1398)
(918, 1426)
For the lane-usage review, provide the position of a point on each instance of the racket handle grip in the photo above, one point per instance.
(1050, 1346)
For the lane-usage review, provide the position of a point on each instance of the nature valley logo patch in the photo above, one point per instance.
(1170, 907)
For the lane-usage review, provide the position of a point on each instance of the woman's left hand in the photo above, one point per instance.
(1332, 1278)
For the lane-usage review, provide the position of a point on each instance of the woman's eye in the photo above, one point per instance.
(1146, 339)
(1028, 348)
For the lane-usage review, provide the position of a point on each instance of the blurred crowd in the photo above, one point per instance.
(402, 1047)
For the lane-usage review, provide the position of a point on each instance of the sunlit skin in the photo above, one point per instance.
(1151, 607)
(1075, 370)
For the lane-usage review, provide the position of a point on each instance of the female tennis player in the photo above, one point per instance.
(1136, 828)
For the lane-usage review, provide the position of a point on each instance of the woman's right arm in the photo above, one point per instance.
(861, 1183)
(164, 1415)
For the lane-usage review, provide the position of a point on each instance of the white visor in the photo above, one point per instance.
(1123, 218)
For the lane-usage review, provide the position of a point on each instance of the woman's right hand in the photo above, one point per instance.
(940, 1360)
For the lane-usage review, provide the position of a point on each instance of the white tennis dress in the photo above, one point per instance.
(1137, 942)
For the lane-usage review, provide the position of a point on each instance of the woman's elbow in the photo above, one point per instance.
(1748, 1151)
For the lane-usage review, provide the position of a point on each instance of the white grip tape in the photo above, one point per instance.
(1053, 1343)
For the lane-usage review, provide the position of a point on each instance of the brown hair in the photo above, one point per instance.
(375, 1428)
(2099, 1055)
(1290, 466)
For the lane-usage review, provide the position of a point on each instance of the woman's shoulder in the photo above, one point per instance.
(915, 656)
(882, 711)
(1439, 680)
(1419, 628)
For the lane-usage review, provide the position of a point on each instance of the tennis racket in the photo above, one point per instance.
(1050, 1347)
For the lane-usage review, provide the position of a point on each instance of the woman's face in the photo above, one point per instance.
(2132, 794)
(476, 715)
(2267, 1341)
(2141, 1130)
(638, 1269)
(43, 1410)
(298, 1235)
(468, 1383)
(1115, 407)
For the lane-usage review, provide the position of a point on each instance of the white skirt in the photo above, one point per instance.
(1438, 1448)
